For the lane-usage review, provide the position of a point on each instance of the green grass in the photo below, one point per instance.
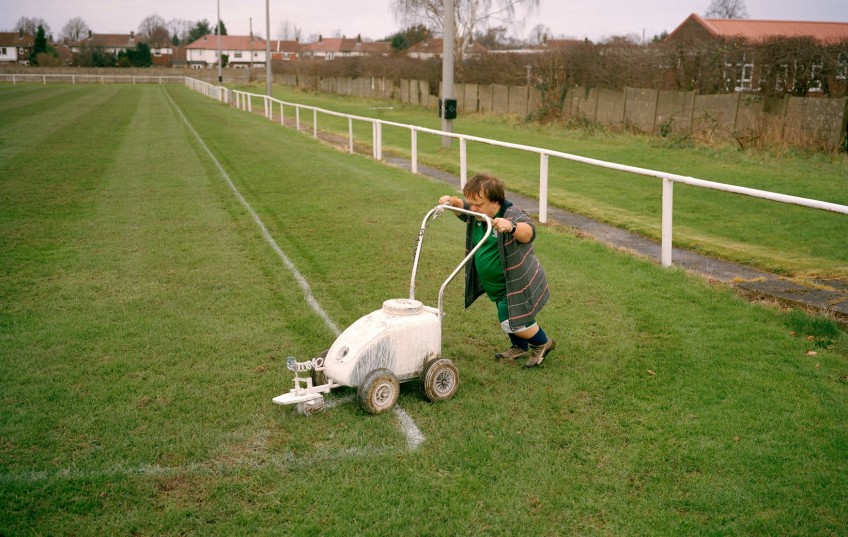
(786, 239)
(144, 325)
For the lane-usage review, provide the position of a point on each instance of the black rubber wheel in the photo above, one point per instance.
(379, 391)
(439, 380)
(318, 377)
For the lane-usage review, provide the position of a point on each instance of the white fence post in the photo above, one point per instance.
(315, 123)
(282, 113)
(667, 204)
(414, 158)
(379, 141)
(543, 187)
(296, 118)
(350, 135)
(463, 162)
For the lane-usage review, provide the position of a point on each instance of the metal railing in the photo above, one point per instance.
(14, 78)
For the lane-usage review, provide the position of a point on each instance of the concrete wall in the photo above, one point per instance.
(817, 122)
(610, 107)
(518, 100)
(674, 110)
(714, 116)
(640, 110)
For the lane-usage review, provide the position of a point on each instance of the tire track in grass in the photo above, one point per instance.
(414, 437)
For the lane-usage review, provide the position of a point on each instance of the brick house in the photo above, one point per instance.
(743, 71)
(341, 47)
(15, 47)
(432, 48)
(286, 51)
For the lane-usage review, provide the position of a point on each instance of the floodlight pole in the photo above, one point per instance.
(267, 48)
(220, 78)
(447, 67)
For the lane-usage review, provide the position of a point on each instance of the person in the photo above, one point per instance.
(505, 267)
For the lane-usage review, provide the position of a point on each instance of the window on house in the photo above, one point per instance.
(3, 51)
(747, 76)
(237, 54)
(286, 56)
(842, 66)
(815, 76)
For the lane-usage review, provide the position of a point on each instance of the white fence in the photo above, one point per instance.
(14, 78)
(244, 101)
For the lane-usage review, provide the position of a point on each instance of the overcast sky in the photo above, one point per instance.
(374, 19)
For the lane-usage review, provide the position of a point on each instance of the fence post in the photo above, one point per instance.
(350, 135)
(667, 203)
(379, 126)
(296, 118)
(314, 123)
(463, 162)
(543, 187)
(414, 160)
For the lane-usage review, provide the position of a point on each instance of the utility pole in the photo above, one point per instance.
(220, 78)
(268, 77)
(447, 69)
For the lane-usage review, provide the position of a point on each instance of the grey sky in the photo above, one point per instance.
(374, 19)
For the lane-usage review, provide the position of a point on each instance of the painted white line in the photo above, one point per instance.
(286, 461)
(414, 437)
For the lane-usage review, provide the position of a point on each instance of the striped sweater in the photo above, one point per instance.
(526, 285)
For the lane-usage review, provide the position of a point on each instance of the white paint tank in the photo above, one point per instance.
(400, 337)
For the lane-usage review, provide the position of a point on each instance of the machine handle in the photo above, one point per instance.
(432, 215)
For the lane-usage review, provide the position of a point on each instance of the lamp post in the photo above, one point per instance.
(267, 49)
(220, 78)
(447, 68)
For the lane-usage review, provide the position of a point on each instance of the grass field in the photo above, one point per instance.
(145, 322)
(786, 239)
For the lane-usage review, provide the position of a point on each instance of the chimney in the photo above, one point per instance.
(89, 34)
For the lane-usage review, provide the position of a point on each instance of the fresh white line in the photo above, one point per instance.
(287, 461)
(414, 437)
(307, 291)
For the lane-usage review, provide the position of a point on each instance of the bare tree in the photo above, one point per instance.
(289, 31)
(539, 34)
(74, 30)
(726, 9)
(29, 25)
(469, 15)
(179, 29)
(153, 31)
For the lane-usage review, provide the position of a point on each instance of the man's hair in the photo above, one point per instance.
(486, 186)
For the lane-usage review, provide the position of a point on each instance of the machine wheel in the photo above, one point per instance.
(379, 391)
(318, 377)
(439, 380)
